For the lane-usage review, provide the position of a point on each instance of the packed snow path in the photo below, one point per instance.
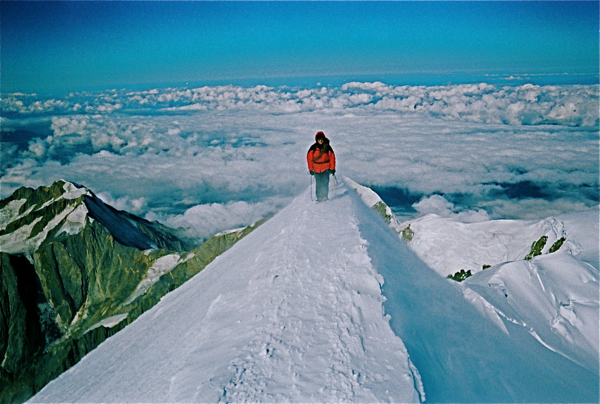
(293, 312)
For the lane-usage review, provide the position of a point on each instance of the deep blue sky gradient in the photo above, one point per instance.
(52, 46)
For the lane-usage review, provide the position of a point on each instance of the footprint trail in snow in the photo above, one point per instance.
(293, 312)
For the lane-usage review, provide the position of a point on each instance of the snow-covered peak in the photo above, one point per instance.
(29, 215)
(448, 245)
(25, 200)
(583, 229)
(74, 191)
(553, 296)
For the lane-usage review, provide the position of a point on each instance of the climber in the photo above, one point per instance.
(321, 163)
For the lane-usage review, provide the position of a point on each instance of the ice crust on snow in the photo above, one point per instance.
(324, 302)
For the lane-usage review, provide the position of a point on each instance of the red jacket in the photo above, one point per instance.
(318, 160)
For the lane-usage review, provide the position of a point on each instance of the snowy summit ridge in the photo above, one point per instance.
(294, 315)
(323, 302)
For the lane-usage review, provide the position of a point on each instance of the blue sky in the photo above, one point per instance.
(52, 46)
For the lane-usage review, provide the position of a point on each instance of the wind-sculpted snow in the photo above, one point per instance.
(542, 276)
(574, 105)
(539, 275)
(554, 297)
(449, 244)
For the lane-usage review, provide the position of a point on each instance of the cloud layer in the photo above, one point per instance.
(213, 158)
(520, 105)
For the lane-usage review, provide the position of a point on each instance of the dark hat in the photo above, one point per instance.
(320, 135)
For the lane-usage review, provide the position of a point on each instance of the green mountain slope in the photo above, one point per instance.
(73, 271)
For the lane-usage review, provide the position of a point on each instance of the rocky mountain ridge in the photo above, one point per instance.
(301, 312)
(73, 271)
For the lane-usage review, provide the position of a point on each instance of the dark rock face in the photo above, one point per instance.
(460, 275)
(21, 293)
(21, 319)
(133, 231)
(537, 247)
(70, 274)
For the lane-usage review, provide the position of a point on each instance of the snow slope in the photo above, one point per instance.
(447, 244)
(296, 312)
(462, 354)
(293, 312)
(555, 297)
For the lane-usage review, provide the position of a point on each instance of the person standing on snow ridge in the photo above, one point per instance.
(321, 163)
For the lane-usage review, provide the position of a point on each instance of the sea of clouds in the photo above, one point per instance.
(214, 158)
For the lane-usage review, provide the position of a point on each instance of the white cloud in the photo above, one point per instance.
(37, 147)
(434, 204)
(125, 203)
(485, 103)
(438, 205)
(8, 155)
(228, 144)
(534, 208)
(203, 221)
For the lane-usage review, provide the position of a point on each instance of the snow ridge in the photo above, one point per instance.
(292, 312)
